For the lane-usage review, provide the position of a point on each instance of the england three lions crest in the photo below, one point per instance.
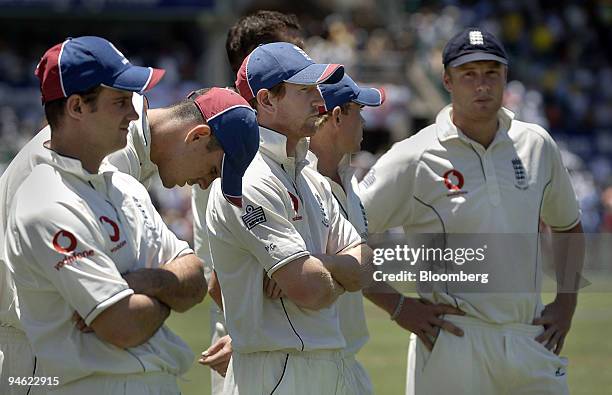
(520, 175)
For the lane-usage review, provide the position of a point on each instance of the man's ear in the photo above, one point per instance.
(336, 116)
(75, 107)
(263, 101)
(446, 80)
(197, 132)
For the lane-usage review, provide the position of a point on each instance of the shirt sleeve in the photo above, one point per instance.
(60, 248)
(387, 190)
(560, 209)
(261, 226)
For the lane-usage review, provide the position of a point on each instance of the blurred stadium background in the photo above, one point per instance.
(560, 77)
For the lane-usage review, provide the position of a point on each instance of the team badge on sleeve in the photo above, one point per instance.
(253, 217)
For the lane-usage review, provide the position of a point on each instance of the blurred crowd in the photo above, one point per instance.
(560, 77)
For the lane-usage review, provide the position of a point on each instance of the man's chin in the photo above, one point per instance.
(169, 184)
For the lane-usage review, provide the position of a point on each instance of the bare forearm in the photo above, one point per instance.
(334, 290)
(352, 268)
(307, 283)
(180, 284)
(383, 295)
(140, 316)
(569, 251)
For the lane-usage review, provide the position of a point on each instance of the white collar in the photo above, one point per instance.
(447, 130)
(345, 170)
(274, 145)
(72, 166)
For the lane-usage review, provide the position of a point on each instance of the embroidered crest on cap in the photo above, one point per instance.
(253, 217)
(476, 38)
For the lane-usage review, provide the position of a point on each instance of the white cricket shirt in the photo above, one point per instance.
(350, 304)
(20, 167)
(439, 181)
(134, 159)
(199, 202)
(288, 212)
(70, 236)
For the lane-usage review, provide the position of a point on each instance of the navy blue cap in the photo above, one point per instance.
(270, 64)
(471, 45)
(79, 64)
(348, 91)
(234, 123)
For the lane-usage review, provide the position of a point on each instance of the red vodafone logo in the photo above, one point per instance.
(64, 242)
(453, 180)
(114, 234)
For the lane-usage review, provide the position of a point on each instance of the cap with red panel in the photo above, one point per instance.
(271, 64)
(234, 123)
(82, 63)
(348, 91)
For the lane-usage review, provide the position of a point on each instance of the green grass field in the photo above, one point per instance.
(588, 347)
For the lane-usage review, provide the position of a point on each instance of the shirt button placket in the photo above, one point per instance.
(492, 185)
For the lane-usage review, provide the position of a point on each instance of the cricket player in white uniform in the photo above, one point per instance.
(185, 286)
(250, 31)
(183, 151)
(340, 131)
(17, 359)
(289, 228)
(478, 170)
(339, 134)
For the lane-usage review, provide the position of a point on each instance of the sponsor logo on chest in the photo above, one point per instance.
(453, 181)
(114, 233)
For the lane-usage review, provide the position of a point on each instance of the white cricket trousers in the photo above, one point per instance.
(490, 359)
(322, 372)
(357, 376)
(16, 360)
(157, 383)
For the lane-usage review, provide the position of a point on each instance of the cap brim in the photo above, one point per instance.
(372, 97)
(137, 79)
(231, 182)
(318, 74)
(475, 57)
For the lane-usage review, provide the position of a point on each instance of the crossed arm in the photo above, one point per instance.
(178, 285)
(316, 281)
